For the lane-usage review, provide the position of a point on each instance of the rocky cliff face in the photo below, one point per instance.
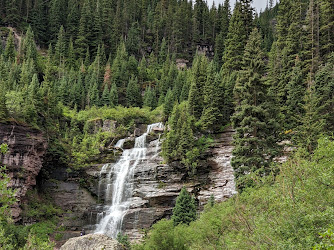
(156, 186)
(23, 160)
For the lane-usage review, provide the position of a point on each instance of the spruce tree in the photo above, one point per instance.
(3, 107)
(197, 85)
(56, 19)
(254, 121)
(10, 51)
(105, 99)
(236, 39)
(70, 61)
(60, 49)
(150, 98)
(83, 41)
(133, 95)
(73, 18)
(133, 39)
(169, 103)
(29, 49)
(296, 95)
(39, 21)
(12, 13)
(113, 95)
(211, 115)
(184, 211)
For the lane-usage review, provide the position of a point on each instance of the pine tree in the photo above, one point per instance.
(221, 36)
(169, 103)
(150, 98)
(29, 50)
(60, 49)
(132, 42)
(211, 115)
(312, 123)
(235, 41)
(133, 96)
(83, 41)
(105, 99)
(12, 12)
(295, 99)
(326, 28)
(10, 52)
(196, 88)
(3, 107)
(184, 211)
(70, 61)
(97, 27)
(93, 97)
(56, 18)
(256, 128)
(39, 22)
(73, 18)
(113, 95)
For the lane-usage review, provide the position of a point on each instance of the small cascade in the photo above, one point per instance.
(118, 182)
(120, 143)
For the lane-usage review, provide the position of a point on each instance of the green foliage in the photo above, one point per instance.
(83, 144)
(327, 241)
(7, 197)
(184, 211)
(198, 79)
(254, 120)
(10, 51)
(180, 143)
(211, 115)
(34, 242)
(124, 240)
(283, 212)
(39, 208)
(3, 107)
(133, 96)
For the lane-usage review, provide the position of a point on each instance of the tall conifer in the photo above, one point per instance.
(256, 128)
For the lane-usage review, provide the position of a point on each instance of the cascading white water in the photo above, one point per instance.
(119, 184)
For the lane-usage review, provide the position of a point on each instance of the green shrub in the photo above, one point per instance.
(284, 211)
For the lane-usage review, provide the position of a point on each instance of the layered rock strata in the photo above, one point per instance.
(26, 148)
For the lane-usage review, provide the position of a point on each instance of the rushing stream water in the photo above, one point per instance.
(119, 184)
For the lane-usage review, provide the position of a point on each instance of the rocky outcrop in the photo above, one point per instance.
(157, 185)
(92, 241)
(23, 160)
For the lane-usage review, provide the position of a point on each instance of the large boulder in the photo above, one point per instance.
(92, 241)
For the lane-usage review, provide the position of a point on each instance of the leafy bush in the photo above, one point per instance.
(124, 240)
(284, 211)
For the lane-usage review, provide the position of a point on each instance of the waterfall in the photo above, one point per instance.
(119, 184)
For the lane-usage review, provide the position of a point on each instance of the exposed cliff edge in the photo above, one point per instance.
(26, 147)
(156, 186)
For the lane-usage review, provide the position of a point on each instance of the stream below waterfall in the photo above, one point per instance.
(116, 184)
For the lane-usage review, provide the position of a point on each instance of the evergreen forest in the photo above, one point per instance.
(199, 69)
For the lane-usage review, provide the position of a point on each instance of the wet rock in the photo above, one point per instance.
(92, 241)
